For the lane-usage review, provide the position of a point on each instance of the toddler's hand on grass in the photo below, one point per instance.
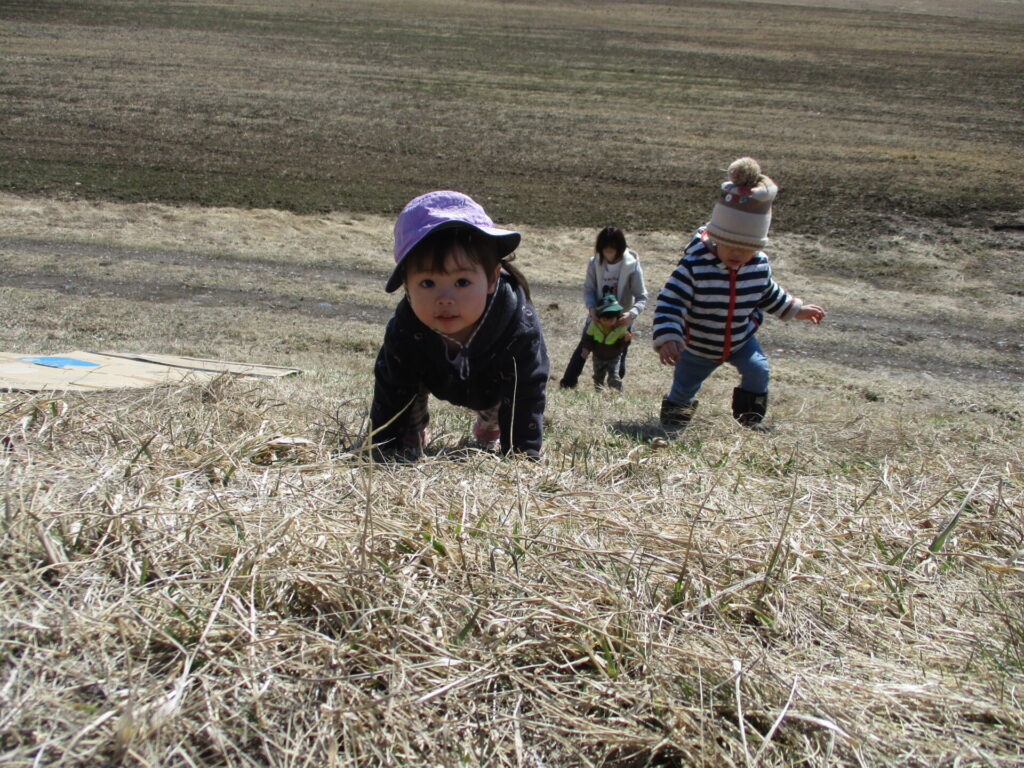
(811, 312)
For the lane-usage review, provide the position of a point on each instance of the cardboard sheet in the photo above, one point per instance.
(89, 371)
(210, 366)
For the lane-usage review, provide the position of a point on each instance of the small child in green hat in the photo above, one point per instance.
(608, 341)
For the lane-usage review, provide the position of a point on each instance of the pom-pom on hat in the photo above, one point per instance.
(609, 306)
(443, 209)
(743, 212)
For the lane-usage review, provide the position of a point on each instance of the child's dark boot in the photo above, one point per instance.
(676, 417)
(614, 379)
(749, 408)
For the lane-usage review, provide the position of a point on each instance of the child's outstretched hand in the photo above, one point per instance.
(811, 312)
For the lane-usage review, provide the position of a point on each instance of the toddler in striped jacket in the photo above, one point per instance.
(713, 303)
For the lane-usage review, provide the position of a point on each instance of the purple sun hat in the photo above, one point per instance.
(442, 210)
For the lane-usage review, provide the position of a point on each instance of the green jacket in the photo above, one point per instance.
(606, 346)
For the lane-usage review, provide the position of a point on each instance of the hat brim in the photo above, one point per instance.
(726, 238)
(508, 241)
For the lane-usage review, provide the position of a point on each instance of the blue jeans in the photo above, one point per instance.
(691, 370)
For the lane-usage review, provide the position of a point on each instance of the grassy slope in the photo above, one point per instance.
(168, 597)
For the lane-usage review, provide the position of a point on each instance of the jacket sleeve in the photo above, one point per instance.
(591, 291)
(778, 302)
(395, 384)
(639, 290)
(523, 395)
(673, 302)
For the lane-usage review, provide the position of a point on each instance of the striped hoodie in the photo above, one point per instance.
(713, 310)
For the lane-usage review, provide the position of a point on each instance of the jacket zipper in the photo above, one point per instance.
(727, 343)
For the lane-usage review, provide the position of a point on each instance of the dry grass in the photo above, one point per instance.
(846, 591)
(180, 587)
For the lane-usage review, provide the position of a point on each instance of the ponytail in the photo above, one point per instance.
(517, 275)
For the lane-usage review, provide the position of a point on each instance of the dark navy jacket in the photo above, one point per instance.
(506, 365)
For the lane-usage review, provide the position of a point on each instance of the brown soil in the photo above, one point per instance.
(554, 113)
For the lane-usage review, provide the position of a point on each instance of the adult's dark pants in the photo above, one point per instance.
(576, 364)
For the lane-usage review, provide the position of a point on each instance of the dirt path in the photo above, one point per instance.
(870, 341)
(207, 293)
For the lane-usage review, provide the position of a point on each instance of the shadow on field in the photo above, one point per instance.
(640, 431)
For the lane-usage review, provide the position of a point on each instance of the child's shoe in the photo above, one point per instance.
(484, 432)
(676, 417)
(749, 408)
(414, 441)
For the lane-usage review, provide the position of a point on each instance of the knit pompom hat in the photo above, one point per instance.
(743, 213)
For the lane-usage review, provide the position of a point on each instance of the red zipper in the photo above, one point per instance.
(727, 345)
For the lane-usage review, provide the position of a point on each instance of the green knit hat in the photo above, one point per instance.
(609, 306)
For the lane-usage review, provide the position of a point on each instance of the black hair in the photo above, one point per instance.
(610, 236)
(431, 253)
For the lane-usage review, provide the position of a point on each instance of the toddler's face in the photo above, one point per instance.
(734, 256)
(452, 301)
(607, 321)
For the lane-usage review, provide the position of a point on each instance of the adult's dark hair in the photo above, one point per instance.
(431, 252)
(610, 237)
